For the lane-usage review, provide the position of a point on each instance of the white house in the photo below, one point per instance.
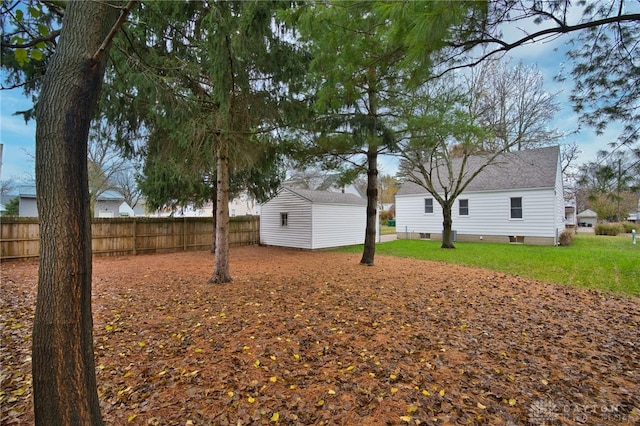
(108, 203)
(519, 199)
(313, 219)
(242, 205)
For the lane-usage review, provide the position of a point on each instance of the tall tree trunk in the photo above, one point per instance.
(447, 225)
(215, 213)
(221, 272)
(63, 366)
(369, 251)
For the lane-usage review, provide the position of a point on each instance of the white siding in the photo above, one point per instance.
(297, 233)
(27, 207)
(338, 225)
(107, 208)
(560, 205)
(489, 214)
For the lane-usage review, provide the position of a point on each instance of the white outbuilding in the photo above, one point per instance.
(587, 218)
(313, 219)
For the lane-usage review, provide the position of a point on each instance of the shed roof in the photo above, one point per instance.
(325, 197)
(526, 169)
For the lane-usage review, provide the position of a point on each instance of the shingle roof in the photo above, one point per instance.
(527, 169)
(587, 213)
(110, 196)
(325, 197)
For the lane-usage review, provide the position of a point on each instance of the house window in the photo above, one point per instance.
(463, 207)
(516, 208)
(428, 205)
(284, 219)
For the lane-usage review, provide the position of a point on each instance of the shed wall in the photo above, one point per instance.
(297, 233)
(338, 225)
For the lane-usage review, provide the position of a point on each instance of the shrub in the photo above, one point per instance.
(612, 229)
(385, 215)
(566, 237)
(628, 226)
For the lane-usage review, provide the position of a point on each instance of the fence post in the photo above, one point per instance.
(135, 237)
(184, 233)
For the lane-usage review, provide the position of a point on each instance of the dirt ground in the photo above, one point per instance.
(312, 338)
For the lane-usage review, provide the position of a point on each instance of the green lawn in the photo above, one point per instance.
(607, 263)
(387, 230)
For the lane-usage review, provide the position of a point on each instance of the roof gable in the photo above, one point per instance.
(587, 213)
(526, 169)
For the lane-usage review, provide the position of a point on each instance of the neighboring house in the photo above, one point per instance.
(519, 199)
(108, 203)
(242, 205)
(587, 218)
(27, 206)
(313, 219)
(570, 215)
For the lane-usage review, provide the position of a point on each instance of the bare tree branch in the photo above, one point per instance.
(116, 27)
(51, 38)
(504, 46)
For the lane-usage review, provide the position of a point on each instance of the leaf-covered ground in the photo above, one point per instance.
(313, 338)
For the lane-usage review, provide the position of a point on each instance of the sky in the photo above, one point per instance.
(18, 137)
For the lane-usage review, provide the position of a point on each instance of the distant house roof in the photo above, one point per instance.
(587, 213)
(526, 169)
(29, 191)
(325, 197)
(110, 196)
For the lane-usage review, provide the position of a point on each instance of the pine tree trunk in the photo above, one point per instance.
(447, 225)
(215, 213)
(221, 272)
(369, 251)
(63, 366)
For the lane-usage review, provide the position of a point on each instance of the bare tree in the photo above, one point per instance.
(511, 102)
(104, 161)
(456, 131)
(124, 181)
(7, 186)
(603, 38)
(569, 154)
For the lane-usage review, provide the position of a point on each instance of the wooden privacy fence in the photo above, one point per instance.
(19, 237)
